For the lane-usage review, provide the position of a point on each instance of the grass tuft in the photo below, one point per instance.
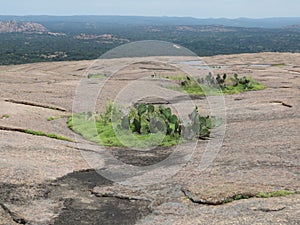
(279, 193)
(94, 76)
(41, 133)
(237, 197)
(5, 116)
(55, 117)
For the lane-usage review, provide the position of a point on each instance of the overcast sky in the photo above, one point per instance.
(191, 8)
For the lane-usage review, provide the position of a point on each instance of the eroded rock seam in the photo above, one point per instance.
(36, 105)
(235, 197)
(120, 196)
(15, 217)
(197, 200)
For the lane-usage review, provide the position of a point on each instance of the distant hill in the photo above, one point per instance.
(296, 26)
(21, 27)
(25, 39)
(139, 20)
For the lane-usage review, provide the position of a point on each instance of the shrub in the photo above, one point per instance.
(214, 85)
(142, 122)
(214, 82)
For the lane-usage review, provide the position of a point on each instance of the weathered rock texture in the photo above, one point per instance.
(48, 181)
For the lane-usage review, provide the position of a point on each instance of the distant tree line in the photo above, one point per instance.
(18, 48)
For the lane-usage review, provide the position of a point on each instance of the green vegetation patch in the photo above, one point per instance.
(99, 76)
(237, 197)
(40, 133)
(214, 85)
(56, 117)
(279, 64)
(141, 126)
(4, 116)
(279, 193)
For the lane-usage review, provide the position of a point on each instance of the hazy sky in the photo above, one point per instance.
(192, 8)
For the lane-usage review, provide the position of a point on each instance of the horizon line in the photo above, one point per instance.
(190, 17)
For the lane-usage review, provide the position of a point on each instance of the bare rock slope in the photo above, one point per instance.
(49, 181)
(24, 27)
